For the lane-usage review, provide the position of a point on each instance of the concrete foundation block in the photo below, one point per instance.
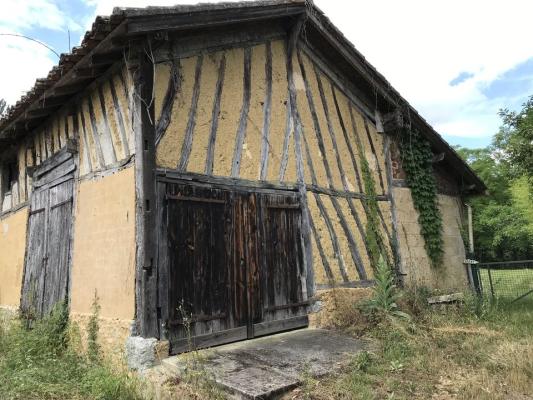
(141, 353)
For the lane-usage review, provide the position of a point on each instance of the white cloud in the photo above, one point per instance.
(22, 62)
(418, 45)
(23, 14)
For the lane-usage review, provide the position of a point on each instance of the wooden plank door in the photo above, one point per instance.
(47, 264)
(283, 298)
(229, 264)
(201, 286)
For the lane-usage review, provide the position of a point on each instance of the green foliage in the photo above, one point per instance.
(373, 237)
(43, 363)
(3, 107)
(515, 139)
(93, 348)
(383, 302)
(417, 163)
(362, 361)
(503, 219)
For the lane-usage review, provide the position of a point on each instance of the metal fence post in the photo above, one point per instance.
(491, 285)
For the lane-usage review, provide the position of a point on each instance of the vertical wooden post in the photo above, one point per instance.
(308, 273)
(395, 243)
(144, 132)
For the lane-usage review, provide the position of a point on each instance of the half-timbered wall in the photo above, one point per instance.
(228, 113)
(99, 119)
(98, 125)
(104, 125)
(415, 263)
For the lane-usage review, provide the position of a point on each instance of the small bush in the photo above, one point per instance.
(93, 348)
(476, 306)
(383, 303)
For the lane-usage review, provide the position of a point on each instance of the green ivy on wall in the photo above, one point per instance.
(373, 237)
(416, 156)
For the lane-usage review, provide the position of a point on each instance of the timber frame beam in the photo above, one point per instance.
(144, 132)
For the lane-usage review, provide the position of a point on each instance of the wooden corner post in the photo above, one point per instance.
(292, 47)
(142, 71)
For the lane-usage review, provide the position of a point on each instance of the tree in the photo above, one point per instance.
(3, 107)
(503, 219)
(515, 139)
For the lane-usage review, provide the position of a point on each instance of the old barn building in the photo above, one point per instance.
(215, 159)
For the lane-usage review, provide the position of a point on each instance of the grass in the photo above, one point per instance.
(476, 350)
(508, 284)
(45, 362)
(479, 350)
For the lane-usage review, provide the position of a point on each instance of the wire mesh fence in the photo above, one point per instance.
(509, 281)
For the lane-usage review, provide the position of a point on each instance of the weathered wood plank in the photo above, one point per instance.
(209, 340)
(96, 137)
(215, 116)
(107, 130)
(286, 141)
(373, 148)
(333, 236)
(359, 265)
(119, 116)
(267, 328)
(146, 279)
(325, 261)
(265, 145)
(174, 85)
(191, 123)
(316, 124)
(243, 121)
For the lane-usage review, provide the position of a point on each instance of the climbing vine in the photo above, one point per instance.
(373, 237)
(416, 156)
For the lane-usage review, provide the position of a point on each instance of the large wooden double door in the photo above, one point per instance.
(230, 264)
(47, 264)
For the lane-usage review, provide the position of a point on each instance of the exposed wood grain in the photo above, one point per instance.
(47, 260)
(265, 147)
(191, 123)
(347, 139)
(333, 236)
(119, 116)
(107, 130)
(143, 128)
(215, 116)
(174, 84)
(354, 251)
(373, 148)
(323, 257)
(96, 137)
(243, 121)
(232, 259)
(286, 141)
(394, 236)
(316, 124)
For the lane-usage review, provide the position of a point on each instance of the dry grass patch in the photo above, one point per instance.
(474, 351)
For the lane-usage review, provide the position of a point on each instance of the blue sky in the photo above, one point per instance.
(456, 62)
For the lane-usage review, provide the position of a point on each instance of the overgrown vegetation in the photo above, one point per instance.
(417, 158)
(373, 237)
(503, 221)
(473, 350)
(46, 362)
(383, 303)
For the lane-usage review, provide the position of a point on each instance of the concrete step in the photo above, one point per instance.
(266, 367)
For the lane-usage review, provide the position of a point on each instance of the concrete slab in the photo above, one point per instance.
(264, 367)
